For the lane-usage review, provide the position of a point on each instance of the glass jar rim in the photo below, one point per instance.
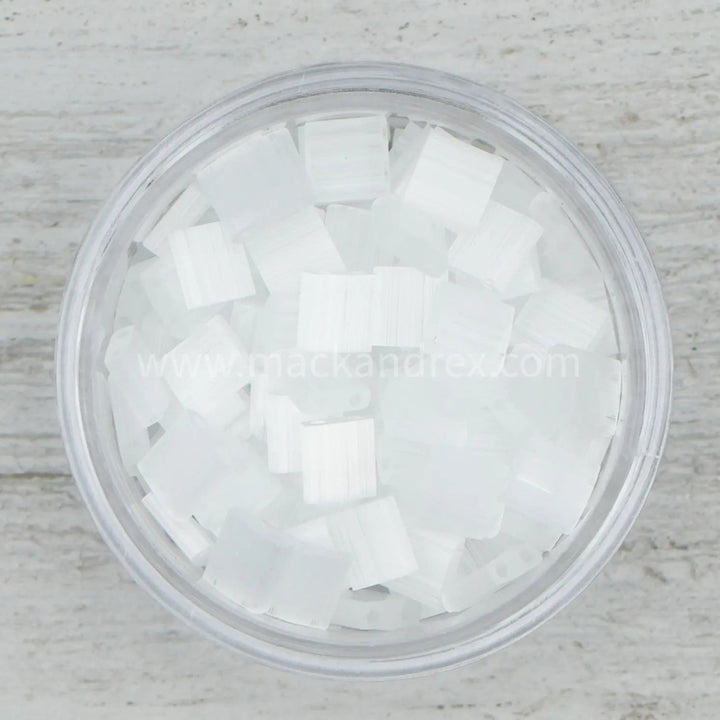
(448, 89)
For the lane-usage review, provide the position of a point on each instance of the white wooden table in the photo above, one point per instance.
(87, 86)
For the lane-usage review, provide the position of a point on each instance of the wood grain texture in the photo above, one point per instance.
(87, 86)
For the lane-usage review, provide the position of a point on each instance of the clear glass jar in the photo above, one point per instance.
(643, 335)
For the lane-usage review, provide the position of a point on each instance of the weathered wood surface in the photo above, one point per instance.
(87, 86)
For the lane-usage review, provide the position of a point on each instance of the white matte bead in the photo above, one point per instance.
(130, 429)
(259, 389)
(338, 461)
(314, 532)
(437, 554)
(276, 324)
(191, 539)
(247, 485)
(282, 426)
(187, 210)
(493, 253)
(243, 320)
(551, 484)
(526, 279)
(181, 462)
(207, 367)
(557, 316)
(471, 324)
(212, 269)
(412, 237)
(599, 386)
(134, 373)
(451, 180)
(258, 181)
(346, 158)
(403, 296)
(335, 313)
(309, 588)
(349, 228)
(244, 561)
(372, 609)
(564, 257)
(156, 334)
(577, 394)
(133, 304)
(515, 189)
(265, 572)
(528, 531)
(374, 535)
(227, 411)
(452, 490)
(482, 576)
(329, 398)
(162, 286)
(284, 250)
(406, 145)
(409, 413)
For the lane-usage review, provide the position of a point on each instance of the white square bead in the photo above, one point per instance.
(372, 609)
(276, 324)
(258, 181)
(338, 461)
(410, 413)
(282, 427)
(156, 334)
(558, 316)
(346, 158)
(329, 398)
(527, 278)
(191, 539)
(188, 209)
(437, 555)
(412, 237)
(374, 535)
(212, 269)
(486, 571)
(177, 467)
(451, 180)
(564, 257)
(527, 531)
(244, 562)
(401, 307)
(161, 283)
(407, 143)
(284, 250)
(259, 390)
(131, 430)
(226, 411)
(264, 572)
(134, 371)
(451, 490)
(335, 313)
(246, 485)
(493, 253)
(551, 485)
(349, 228)
(470, 324)
(208, 366)
(599, 386)
(132, 304)
(244, 318)
(311, 584)
(314, 532)
(515, 189)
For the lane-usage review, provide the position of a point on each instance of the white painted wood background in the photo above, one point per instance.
(86, 86)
